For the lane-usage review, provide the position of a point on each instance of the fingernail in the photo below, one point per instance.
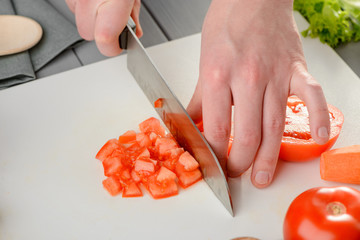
(262, 177)
(323, 132)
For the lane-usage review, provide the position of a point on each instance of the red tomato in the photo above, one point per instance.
(148, 159)
(297, 144)
(324, 213)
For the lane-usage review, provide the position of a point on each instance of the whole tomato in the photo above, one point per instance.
(324, 213)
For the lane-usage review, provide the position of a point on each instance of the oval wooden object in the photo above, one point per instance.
(18, 33)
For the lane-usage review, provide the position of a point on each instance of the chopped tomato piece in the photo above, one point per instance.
(112, 165)
(162, 189)
(127, 137)
(107, 149)
(112, 185)
(165, 145)
(165, 174)
(188, 161)
(187, 178)
(149, 158)
(143, 165)
(132, 190)
(152, 125)
(143, 140)
(159, 103)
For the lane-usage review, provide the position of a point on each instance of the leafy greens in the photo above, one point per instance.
(333, 21)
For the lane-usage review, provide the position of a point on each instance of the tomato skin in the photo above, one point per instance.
(310, 215)
(304, 148)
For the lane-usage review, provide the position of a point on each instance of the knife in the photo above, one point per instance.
(173, 114)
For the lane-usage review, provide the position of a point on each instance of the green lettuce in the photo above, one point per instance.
(334, 22)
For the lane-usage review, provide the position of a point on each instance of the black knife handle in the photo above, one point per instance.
(123, 38)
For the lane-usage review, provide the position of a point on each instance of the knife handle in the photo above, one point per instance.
(123, 38)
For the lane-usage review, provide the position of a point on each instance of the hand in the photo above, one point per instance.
(252, 58)
(104, 20)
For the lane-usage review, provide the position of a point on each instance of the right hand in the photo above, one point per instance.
(104, 20)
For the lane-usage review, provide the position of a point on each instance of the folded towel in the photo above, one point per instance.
(58, 35)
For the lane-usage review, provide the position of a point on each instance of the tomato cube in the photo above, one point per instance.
(162, 190)
(112, 185)
(143, 140)
(127, 137)
(187, 178)
(165, 174)
(107, 149)
(143, 165)
(132, 190)
(112, 165)
(188, 161)
(152, 125)
(164, 146)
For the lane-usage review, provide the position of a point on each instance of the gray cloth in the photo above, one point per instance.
(58, 35)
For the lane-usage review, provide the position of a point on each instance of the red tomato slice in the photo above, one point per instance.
(324, 213)
(297, 144)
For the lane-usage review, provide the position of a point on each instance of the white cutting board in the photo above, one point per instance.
(51, 129)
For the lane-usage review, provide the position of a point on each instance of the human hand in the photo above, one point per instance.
(252, 58)
(104, 20)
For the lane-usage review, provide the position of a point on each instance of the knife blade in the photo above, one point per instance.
(173, 114)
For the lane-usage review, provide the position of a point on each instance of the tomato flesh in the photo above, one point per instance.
(297, 144)
(150, 158)
(324, 213)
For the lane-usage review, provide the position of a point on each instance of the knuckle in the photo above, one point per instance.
(219, 134)
(215, 77)
(249, 138)
(275, 125)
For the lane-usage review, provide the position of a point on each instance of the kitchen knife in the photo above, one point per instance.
(173, 114)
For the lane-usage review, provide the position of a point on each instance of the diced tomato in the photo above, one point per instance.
(165, 174)
(152, 125)
(132, 190)
(162, 189)
(187, 178)
(143, 165)
(135, 176)
(164, 146)
(112, 185)
(143, 140)
(144, 154)
(127, 137)
(159, 103)
(176, 152)
(107, 149)
(112, 165)
(188, 161)
(150, 159)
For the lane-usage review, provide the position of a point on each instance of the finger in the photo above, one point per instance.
(71, 5)
(273, 124)
(309, 90)
(135, 15)
(111, 19)
(216, 102)
(247, 127)
(194, 108)
(85, 15)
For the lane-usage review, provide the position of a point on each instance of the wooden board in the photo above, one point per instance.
(51, 129)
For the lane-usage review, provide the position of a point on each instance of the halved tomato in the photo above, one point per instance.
(297, 144)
